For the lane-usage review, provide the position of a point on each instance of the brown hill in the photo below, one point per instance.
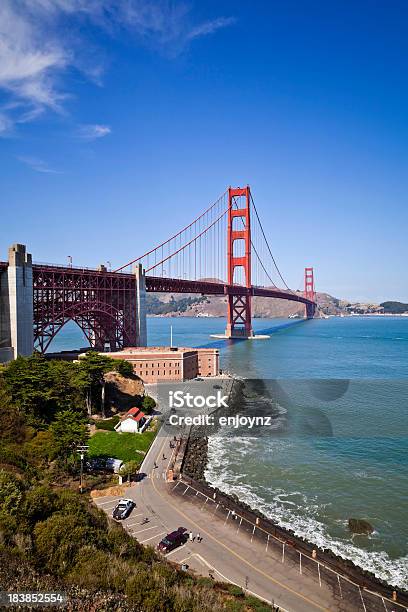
(191, 305)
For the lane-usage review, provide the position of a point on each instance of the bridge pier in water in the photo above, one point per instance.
(310, 293)
(239, 316)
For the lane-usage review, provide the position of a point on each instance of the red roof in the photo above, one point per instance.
(133, 411)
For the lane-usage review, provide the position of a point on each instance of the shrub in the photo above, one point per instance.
(42, 448)
(10, 493)
(205, 582)
(98, 569)
(148, 404)
(147, 594)
(257, 605)
(39, 504)
(124, 368)
(58, 540)
(107, 424)
(236, 606)
(235, 590)
(124, 546)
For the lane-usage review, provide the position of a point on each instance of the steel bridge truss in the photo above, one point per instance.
(102, 303)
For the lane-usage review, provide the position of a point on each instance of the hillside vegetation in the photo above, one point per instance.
(394, 307)
(54, 539)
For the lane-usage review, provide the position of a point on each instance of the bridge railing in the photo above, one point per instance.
(348, 584)
(48, 264)
(76, 268)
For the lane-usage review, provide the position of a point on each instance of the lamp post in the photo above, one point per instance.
(82, 449)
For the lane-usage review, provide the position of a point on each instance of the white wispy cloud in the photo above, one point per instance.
(40, 40)
(93, 131)
(5, 124)
(209, 27)
(36, 164)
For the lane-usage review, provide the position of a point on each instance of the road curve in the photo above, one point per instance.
(224, 552)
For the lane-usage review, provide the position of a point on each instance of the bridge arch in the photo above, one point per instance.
(100, 322)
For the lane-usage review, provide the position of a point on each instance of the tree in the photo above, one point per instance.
(149, 404)
(11, 419)
(40, 388)
(130, 468)
(68, 430)
(29, 383)
(124, 368)
(90, 376)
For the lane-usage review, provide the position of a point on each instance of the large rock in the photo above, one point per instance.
(122, 393)
(360, 526)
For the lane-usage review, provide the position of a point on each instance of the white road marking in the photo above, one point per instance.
(152, 538)
(132, 524)
(110, 501)
(227, 579)
(147, 529)
(108, 508)
(175, 550)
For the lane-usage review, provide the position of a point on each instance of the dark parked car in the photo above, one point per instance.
(123, 509)
(173, 540)
(103, 464)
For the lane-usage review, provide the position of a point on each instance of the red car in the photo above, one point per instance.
(173, 540)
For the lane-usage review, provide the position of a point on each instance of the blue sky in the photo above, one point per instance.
(122, 120)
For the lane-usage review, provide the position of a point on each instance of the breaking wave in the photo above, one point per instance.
(283, 510)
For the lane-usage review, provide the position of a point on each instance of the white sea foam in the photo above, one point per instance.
(365, 475)
(283, 512)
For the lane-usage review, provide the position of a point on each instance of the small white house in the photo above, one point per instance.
(134, 421)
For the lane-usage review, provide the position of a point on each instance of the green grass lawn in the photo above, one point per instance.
(122, 446)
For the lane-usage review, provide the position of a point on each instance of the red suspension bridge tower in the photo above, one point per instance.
(310, 293)
(239, 320)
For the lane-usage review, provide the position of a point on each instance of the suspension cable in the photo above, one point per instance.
(193, 240)
(173, 237)
(256, 252)
(268, 247)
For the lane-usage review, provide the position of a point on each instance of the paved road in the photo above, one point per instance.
(224, 552)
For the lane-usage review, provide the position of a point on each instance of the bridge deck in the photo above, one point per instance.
(177, 285)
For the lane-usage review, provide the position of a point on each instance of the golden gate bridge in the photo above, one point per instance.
(224, 252)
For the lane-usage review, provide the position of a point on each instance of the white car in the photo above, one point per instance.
(123, 508)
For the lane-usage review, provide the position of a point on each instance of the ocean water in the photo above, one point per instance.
(338, 392)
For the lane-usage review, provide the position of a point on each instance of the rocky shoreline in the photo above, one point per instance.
(194, 465)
